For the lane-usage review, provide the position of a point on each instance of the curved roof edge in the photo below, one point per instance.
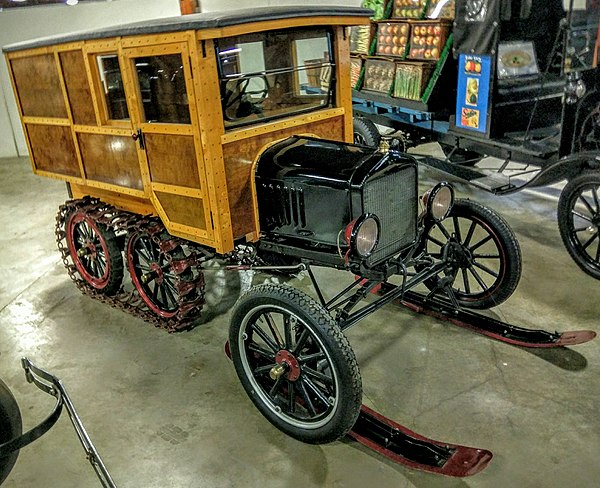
(206, 20)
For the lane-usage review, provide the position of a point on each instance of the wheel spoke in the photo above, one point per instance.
(263, 369)
(259, 350)
(317, 375)
(301, 342)
(440, 225)
(470, 233)
(466, 283)
(291, 397)
(586, 203)
(318, 356)
(486, 256)
(581, 216)
(155, 292)
(276, 387)
(306, 398)
(489, 271)
(478, 278)
(287, 330)
(435, 241)
(316, 390)
(263, 335)
(273, 328)
(481, 242)
(590, 240)
(456, 228)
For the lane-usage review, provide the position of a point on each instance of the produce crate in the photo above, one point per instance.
(440, 9)
(361, 38)
(356, 72)
(411, 79)
(392, 38)
(427, 39)
(408, 9)
(379, 75)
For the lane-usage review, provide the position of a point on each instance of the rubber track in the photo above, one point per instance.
(121, 222)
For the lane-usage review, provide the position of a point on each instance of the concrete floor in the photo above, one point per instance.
(168, 410)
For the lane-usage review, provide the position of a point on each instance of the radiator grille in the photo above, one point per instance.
(393, 198)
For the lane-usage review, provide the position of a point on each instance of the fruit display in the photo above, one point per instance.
(356, 65)
(360, 39)
(379, 75)
(392, 38)
(408, 9)
(440, 9)
(411, 79)
(428, 39)
(377, 6)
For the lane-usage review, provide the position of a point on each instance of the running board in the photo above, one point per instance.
(404, 446)
(496, 329)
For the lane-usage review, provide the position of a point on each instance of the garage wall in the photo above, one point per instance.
(21, 24)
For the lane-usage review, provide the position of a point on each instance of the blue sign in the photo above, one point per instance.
(473, 93)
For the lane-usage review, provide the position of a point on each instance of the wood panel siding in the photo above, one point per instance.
(239, 156)
(183, 210)
(172, 160)
(38, 86)
(53, 149)
(78, 87)
(111, 159)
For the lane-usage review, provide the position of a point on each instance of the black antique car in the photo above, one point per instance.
(517, 80)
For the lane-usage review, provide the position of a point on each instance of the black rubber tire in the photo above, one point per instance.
(582, 195)
(494, 258)
(365, 132)
(103, 270)
(290, 403)
(463, 157)
(11, 426)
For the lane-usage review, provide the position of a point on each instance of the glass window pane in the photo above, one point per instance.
(112, 86)
(274, 74)
(162, 85)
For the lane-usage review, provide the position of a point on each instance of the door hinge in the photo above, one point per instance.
(212, 223)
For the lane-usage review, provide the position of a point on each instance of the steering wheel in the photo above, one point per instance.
(239, 94)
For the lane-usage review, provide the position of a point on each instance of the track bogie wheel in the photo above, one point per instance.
(483, 254)
(295, 363)
(579, 221)
(155, 273)
(95, 252)
(11, 427)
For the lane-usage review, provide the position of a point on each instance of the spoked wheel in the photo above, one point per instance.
(579, 221)
(295, 364)
(482, 251)
(10, 428)
(95, 253)
(154, 274)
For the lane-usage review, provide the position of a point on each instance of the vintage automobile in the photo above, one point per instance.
(229, 136)
(516, 80)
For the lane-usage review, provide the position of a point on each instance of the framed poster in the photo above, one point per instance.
(473, 93)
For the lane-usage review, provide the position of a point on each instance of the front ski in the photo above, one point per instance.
(502, 331)
(404, 446)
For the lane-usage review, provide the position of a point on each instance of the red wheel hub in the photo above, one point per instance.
(291, 364)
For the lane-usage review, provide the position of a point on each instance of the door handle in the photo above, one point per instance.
(139, 137)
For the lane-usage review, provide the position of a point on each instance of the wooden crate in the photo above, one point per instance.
(362, 38)
(379, 75)
(408, 9)
(392, 38)
(427, 39)
(356, 72)
(411, 78)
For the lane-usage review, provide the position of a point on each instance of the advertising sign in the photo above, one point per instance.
(473, 94)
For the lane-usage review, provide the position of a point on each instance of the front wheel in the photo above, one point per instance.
(10, 428)
(365, 132)
(482, 252)
(295, 364)
(579, 221)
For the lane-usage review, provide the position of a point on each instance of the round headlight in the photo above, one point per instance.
(363, 234)
(439, 201)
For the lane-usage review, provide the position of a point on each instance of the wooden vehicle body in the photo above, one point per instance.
(163, 83)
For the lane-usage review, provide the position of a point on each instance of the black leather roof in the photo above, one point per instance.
(207, 20)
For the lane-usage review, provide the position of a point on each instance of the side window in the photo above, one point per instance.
(274, 74)
(112, 87)
(162, 86)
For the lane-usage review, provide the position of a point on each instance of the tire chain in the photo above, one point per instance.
(190, 301)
